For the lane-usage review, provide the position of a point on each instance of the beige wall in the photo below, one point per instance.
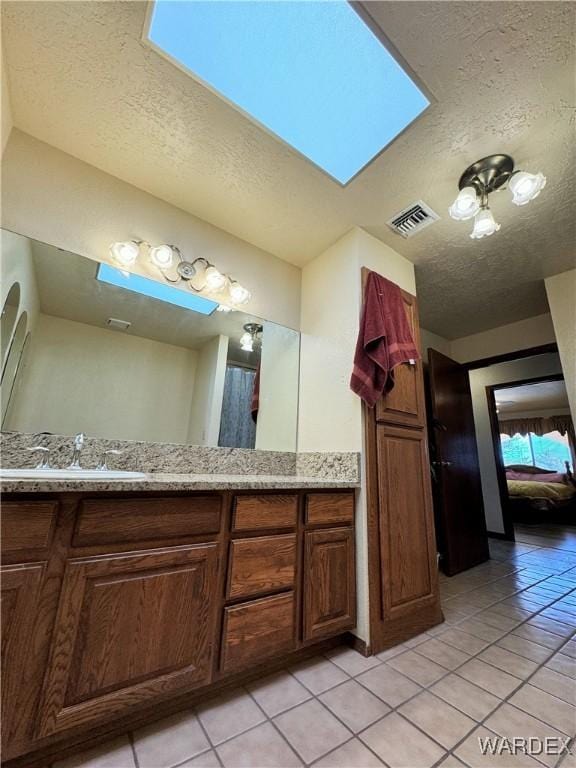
(55, 198)
(5, 107)
(429, 340)
(330, 417)
(106, 383)
(532, 332)
(206, 410)
(561, 291)
(502, 373)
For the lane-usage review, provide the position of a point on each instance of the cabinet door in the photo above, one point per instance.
(131, 628)
(20, 594)
(404, 404)
(329, 582)
(408, 573)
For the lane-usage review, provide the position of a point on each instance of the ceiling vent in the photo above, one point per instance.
(118, 325)
(412, 219)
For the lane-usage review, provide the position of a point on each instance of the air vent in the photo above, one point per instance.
(412, 219)
(118, 325)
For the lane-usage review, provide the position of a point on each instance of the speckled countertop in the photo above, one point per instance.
(160, 481)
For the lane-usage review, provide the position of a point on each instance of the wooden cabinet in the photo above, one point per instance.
(260, 565)
(131, 628)
(329, 582)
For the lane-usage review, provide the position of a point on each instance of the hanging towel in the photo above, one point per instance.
(255, 405)
(384, 340)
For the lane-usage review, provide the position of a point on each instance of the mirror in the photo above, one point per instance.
(8, 319)
(104, 358)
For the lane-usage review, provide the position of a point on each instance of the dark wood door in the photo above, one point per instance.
(460, 520)
(20, 604)
(329, 582)
(132, 628)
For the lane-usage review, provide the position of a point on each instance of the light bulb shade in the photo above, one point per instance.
(238, 294)
(466, 204)
(162, 256)
(526, 186)
(125, 253)
(247, 342)
(484, 224)
(215, 280)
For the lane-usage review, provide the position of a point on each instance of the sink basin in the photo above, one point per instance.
(69, 474)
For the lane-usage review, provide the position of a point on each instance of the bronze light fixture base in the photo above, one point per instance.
(488, 174)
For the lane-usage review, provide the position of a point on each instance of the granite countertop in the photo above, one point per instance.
(160, 481)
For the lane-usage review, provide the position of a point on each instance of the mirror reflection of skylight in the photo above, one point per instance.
(160, 291)
(312, 73)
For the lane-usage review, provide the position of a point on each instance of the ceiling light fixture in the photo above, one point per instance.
(484, 177)
(250, 336)
(165, 257)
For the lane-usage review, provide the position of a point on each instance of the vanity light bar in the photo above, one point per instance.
(174, 268)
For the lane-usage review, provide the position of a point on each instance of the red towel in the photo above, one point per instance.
(384, 340)
(255, 404)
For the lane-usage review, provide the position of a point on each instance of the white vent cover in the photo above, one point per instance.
(412, 219)
(118, 325)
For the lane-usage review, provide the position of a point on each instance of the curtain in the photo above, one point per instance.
(565, 426)
(522, 427)
(237, 429)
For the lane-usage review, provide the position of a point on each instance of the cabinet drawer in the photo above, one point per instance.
(114, 521)
(264, 512)
(27, 528)
(260, 565)
(258, 630)
(329, 508)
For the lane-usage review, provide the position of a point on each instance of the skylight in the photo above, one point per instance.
(160, 291)
(312, 73)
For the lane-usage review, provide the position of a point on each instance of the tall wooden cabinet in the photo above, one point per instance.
(403, 576)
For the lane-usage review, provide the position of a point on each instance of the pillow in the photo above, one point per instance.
(553, 477)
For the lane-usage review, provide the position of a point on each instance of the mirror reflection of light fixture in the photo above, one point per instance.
(484, 177)
(164, 256)
(250, 336)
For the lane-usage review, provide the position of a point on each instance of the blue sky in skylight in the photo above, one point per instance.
(160, 291)
(313, 73)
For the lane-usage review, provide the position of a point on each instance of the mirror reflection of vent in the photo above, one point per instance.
(412, 219)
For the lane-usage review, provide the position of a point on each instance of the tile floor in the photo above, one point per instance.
(503, 663)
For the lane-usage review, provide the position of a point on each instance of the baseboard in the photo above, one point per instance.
(358, 644)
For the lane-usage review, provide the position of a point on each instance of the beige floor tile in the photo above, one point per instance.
(516, 665)
(451, 762)
(557, 684)
(312, 730)
(514, 613)
(229, 715)
(417, 640)
(465, 696)
(523, 647)
(352, 662)
(479, 629)
(464, 641)
(498, 620)
(353, 754)
(511, 722)
(436, 717)
(389, 653)
(418, 668)
(400, 744)
(354, 705)
(563, 664)
(469, 752)
(389, 685)
(546, 707)
(278, 692)
(569, 649)
(319, 674)
(205, 760)
(113, 754)
(554, 626)
(539, 636)
(486, 676)
(442, 653)
(170, 741)
(261, 746)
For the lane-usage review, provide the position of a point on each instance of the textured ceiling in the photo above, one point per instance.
(502, 75)
(532, 397)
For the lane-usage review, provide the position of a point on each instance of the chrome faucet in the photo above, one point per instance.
(78, 445)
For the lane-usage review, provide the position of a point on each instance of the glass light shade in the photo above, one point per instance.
(125, 253)
(215, 280)
(238, 294)
(526, 186)
(162, 256)
(484, 224)
(247, 342)
(466, 204)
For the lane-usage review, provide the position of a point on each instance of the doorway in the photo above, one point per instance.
(535, 454)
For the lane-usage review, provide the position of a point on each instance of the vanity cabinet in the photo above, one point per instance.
(130, 605)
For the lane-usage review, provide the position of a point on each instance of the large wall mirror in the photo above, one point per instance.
(104, 358)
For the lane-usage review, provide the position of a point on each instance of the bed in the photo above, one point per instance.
(541, 494)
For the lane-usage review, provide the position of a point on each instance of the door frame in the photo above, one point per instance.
(500, 469)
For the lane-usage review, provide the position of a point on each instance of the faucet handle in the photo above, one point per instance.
(45, 456)
(102, 466)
